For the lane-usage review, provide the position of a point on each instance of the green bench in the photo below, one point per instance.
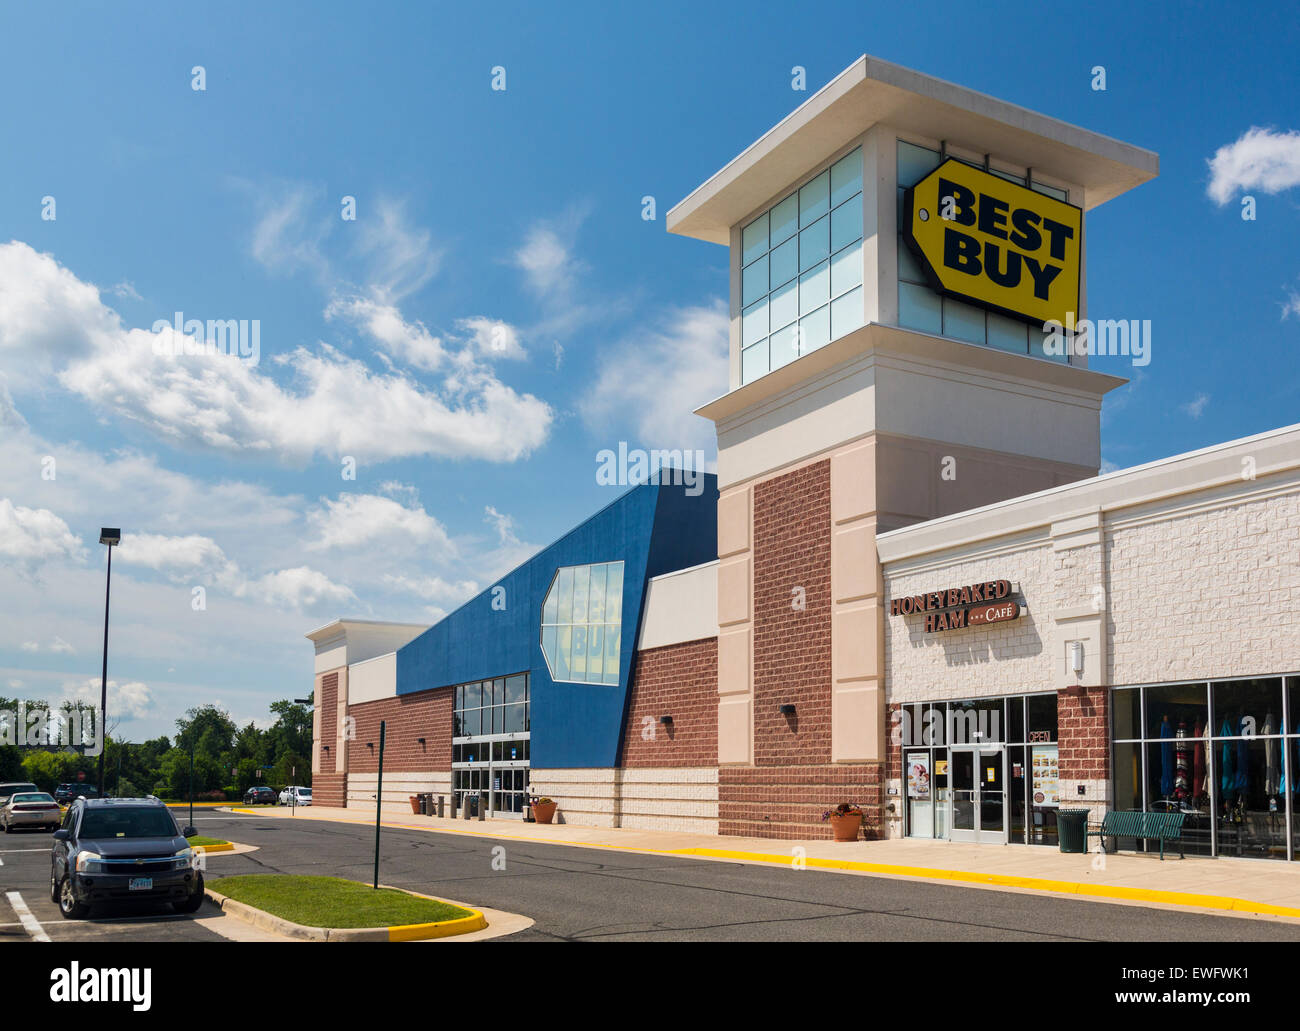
(1127, 823)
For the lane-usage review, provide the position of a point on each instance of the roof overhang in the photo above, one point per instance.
(872, 91)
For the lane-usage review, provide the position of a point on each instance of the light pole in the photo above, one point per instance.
(109, 535)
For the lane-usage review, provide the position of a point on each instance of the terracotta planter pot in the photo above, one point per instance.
(415, 804)
(544, 812)
(845, 826)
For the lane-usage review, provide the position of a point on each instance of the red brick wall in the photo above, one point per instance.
(681, 681)
(330, 789)
(792, 648)
(1083, 733)
(427, 715)
(327, 704)
(788, 801)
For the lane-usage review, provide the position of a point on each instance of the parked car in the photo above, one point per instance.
(122, 850)
(260, 794)
(8, 788)
(31, 809)
(294, 795)
(65, 793)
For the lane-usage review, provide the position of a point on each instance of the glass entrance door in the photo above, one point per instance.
(979, 796)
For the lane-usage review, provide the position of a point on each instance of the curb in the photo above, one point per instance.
(260, 918)
(1158, 896)
(228, 846)
(1113, 892)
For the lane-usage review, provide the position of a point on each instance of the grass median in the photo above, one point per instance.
(333, 901)
(206, 842)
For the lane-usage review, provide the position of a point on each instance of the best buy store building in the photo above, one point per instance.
(908, 587)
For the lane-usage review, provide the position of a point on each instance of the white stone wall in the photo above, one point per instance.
(668, 799)
(997, 659)
(1205, 592)
(398, 788)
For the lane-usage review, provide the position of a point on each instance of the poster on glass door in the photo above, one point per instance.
(918, 776)
(1046, 786)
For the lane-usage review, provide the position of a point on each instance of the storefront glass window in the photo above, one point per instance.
(1219, 754)
(801, 270)
(1042, 717)
(582, 623)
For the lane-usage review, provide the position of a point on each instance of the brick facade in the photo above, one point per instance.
(330, 789)
(326, 703)
(792, 654)
(681, 681)
(427, 714)
(788, 801)
(1083, 734)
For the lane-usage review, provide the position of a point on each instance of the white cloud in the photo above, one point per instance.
(408, 342)
(1291, 306)
(127, 700)
(402, 258)
(1196, 406)
(291, 230)
(1262, 159)
(61, 647)
(34, 534)
(433, 589)
(354, 521)
(31, 646)
(503, 524)
(547, 261)
(337, 406)
(188, 554)
(297, 588)
(126, 291)
(492, 338)
(651, 383)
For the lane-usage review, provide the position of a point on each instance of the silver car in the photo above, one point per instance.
(31, 809)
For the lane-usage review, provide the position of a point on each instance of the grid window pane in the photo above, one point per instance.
(784, 345)
(581, 584)
(754, 281)
(785, 305)
(785, 219)
(919, 308)
(1007, 334)
(963, 321)
(846, 269)
(846, 177)
(753, 323)
(915, 163)
(846, 313)
(814, 244)
(815, 330)
(753, 362)
(815, 199)
(596, 595)
(564, 592)
(611, 653)
(814, 288)
(614, 592)
(575, 651)
(754, 239)
(846, 223)
(785, 262)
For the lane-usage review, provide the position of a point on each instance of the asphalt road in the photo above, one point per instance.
(578, 894)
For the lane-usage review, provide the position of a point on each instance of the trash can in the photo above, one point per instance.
(471, 806)
(426, 804)
(1072, 828)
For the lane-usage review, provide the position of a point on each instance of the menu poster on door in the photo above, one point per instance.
(1046, 784)
(918, 776)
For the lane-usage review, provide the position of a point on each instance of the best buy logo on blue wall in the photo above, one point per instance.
(995, 243)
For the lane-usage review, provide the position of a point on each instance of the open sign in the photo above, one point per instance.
(995, 243)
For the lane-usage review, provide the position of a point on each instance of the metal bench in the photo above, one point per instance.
(1129, 823)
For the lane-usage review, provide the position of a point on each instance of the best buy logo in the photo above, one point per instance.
(995, 243)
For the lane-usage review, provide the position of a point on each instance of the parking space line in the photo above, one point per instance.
(20, 851)
(30, 924)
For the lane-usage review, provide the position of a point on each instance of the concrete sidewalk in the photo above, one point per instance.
(1244, 887)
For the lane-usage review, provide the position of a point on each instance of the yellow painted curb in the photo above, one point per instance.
(1108, 891)
(1112, 891)
(228, 846)
(476, 921)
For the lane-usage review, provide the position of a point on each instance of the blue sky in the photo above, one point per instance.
(517, 212)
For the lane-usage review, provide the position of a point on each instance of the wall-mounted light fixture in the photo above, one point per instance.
(667, 721)
(370, 744)
(1076, 657)
(420, 740)
(787, 709)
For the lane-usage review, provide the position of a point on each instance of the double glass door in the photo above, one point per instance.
(977, 779)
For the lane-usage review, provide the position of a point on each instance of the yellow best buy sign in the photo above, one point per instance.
(995, 243)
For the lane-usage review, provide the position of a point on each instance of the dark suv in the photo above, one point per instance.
(122, 850)
(65, 793)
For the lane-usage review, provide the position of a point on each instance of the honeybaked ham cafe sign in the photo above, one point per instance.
(959, 607)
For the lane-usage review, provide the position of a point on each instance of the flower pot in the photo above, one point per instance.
(845, 826)
(415, 804)
(544, 812)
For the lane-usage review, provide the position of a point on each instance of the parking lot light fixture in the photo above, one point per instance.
(108, 535)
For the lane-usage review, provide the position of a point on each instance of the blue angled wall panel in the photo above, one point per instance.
(653, 529)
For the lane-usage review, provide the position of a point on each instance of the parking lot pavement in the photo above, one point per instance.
(28, 914)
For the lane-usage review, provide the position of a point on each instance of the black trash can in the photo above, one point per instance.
(426, 804)
(1072, 829)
